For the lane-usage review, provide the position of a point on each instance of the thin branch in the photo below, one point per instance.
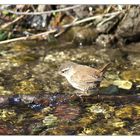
(13, 40)
(44, 34)
(12, 22)
(40, 13)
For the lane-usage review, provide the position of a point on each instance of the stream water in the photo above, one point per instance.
(35, 100)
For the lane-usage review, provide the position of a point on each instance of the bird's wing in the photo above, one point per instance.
(89, 77)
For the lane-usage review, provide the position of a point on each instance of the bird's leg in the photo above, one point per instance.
(79, 94)
(98, 94)
(93, 90)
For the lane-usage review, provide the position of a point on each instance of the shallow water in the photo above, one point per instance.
(34, 99)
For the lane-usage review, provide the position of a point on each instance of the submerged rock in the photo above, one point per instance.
(110, 90)
(50, 120)
(99, 108)
(66, 112)
(15, 100)
(36, 107)
(124, 84)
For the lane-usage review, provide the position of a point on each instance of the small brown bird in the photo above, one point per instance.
(82, 77)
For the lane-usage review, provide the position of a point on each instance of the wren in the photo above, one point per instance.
(82, 77)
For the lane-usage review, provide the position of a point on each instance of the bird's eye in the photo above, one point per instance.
(64, 70)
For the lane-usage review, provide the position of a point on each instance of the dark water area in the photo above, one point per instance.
(36, 100)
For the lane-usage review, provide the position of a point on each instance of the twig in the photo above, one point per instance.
(105, 20)
(108, 9)
(12, 22)
(13, 40)
(44, 34)
(40, 13)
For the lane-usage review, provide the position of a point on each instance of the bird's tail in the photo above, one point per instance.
(104, 68)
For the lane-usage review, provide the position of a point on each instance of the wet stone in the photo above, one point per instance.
(15, 100)
(124, 84)
(29, 98)
(129, 26)
(100, 108)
